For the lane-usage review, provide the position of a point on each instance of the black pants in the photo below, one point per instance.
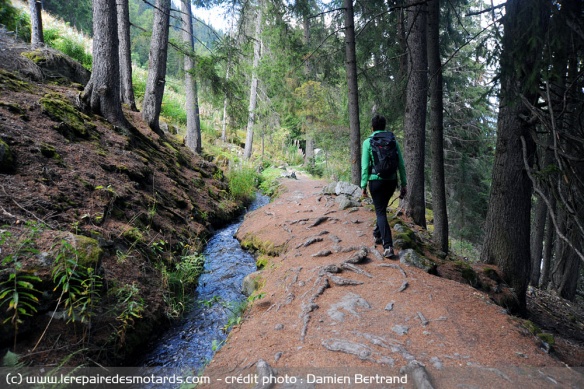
(381, 191)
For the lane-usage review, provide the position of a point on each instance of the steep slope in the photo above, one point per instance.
(79, 197)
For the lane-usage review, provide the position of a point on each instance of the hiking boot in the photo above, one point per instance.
(378, 239)
(388, 253)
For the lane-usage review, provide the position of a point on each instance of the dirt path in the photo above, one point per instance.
(375, 323)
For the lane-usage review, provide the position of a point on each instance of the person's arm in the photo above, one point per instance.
(365, 165)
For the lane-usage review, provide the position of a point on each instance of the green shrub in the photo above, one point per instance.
(181, 282)
(67, 45)
(269, 181)
(15, 20)
(242, 184)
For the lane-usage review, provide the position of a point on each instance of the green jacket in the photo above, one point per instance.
(367, 163)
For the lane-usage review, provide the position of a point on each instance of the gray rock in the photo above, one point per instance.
(250, 283)
(416, 370)
(412, 258)
(346, 202)
(54, 64)
(348, 189)
(344, 346)
(330, 188)
(265, 373)
(399, 228)
(400, 330)
(349, 303)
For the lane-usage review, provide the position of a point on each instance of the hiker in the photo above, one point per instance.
(381, 161)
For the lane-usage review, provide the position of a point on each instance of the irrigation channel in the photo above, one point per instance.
(189, 345)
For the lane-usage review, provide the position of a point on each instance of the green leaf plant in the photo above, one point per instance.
(17, 292)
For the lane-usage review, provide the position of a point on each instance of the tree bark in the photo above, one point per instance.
(415, 114)
(538, 227)
(308, 136)
(36, 23)
(548, 248)
(436, 123)
(102, 92)
(127, 90)
(537, 236)
(152, 103)
(507, 237)
(353, 93)
(193, 136)
(253, 93)
(566, 267)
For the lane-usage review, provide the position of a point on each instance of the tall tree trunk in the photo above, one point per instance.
(102, 92)
(353, 92)
(538, 227)
(548, 248)
(436, 123)
(566, 268)
(415, 115)
(154, 92)
(36, 23)
(253, 93)
(226, 99)
(537, 236)
(403, 44)
(507, 226)
(309, 155)
(127, 90)
(193, 136)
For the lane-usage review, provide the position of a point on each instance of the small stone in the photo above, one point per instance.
(277, 356)
(389, 306)
(279, 327)
(400, 330)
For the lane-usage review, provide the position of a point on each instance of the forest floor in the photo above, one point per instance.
(379, 318)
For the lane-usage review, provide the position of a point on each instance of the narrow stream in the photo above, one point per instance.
(191, 343)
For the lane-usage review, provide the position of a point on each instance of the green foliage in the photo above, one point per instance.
(269, 181)
(18, 292)
(129, 307)
(15, 20)
(181, 281)
(464, 248)
(68, 44)
(242, 183)
(78, 13)
(235, 308)
(79, 285)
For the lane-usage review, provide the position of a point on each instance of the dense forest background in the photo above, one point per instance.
(274, 88)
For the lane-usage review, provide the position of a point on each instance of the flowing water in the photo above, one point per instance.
(192, 343)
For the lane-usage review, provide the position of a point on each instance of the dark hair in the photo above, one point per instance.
(378, 123)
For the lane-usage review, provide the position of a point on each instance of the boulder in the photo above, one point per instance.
(55, 65)
(348, 189)
(250, 283)
(411, 258)
(346, 202)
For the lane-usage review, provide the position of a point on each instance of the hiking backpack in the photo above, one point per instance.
(384, 150)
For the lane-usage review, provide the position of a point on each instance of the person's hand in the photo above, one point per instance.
(364, 192)
(403, 192)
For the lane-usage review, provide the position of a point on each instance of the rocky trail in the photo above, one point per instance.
(331, 312)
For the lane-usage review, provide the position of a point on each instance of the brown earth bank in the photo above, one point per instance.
(128, 204)
(330, 310)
